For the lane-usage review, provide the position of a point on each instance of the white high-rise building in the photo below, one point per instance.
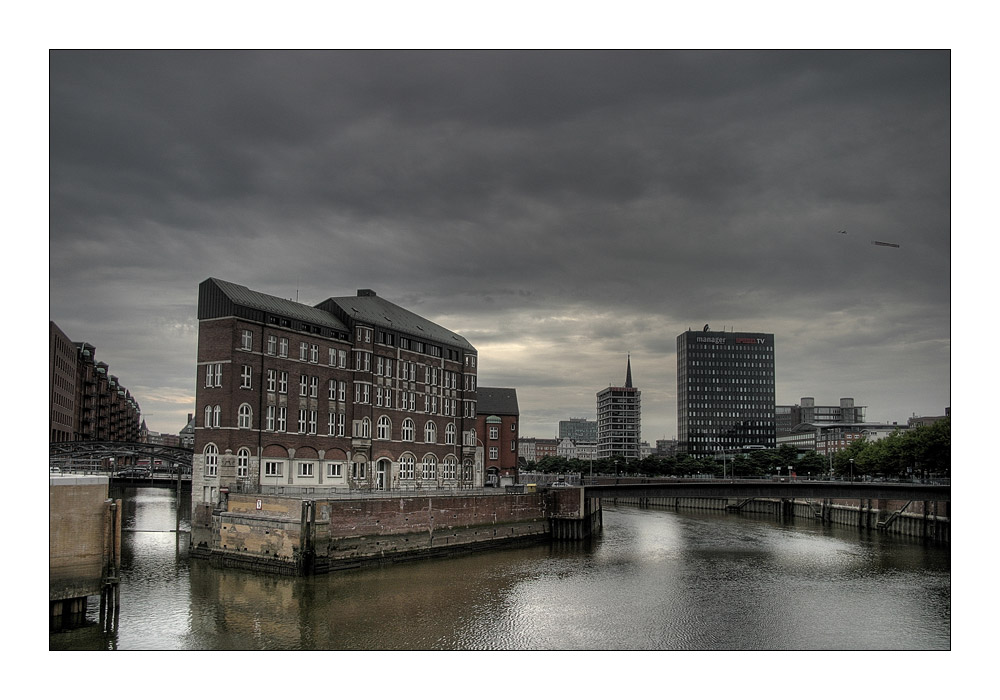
(619, 420)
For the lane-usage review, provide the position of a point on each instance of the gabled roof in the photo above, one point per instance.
(215, 293)
(500, 402)
(370, 309)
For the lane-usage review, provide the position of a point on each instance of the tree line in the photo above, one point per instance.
(921, 452)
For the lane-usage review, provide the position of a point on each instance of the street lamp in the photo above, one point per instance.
(852, 469)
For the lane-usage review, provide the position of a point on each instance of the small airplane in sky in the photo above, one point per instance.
(882, 243)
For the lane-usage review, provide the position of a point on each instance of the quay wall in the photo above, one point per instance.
(924, 519)
(293, 536)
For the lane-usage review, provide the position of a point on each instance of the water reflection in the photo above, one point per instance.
(655, 579)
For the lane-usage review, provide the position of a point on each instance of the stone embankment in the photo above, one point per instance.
(283, 535)
(923, 519)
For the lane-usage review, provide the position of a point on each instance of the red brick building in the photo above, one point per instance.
(497, 428)
(86, 401)
(354, 393)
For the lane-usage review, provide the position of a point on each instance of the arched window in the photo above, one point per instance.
(246, 416)
(208, 416)
(408, 430)
(430, 432)
(448, 472)
(243, 462)
(211, 460)
(217, 416)
(406, 466)
(384, 428)
(429, 467)
(449, 434)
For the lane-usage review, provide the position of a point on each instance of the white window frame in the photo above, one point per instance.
(211, 459)
(243, 462)
(245, 416)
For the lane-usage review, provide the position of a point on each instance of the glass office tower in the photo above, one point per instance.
(725, 392)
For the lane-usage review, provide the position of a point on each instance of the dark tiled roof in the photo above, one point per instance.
(242, 296)
(376, 311)
(494, 401)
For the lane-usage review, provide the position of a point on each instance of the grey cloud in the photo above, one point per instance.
(638, 193)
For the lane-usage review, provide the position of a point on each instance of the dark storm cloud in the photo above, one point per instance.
(560, 209)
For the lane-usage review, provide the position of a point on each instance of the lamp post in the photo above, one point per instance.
(852, 469)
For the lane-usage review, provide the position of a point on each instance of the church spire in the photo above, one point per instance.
(628, 373)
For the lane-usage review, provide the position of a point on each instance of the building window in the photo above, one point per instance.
(342, 391)
(306, 469)
(406, 467)
(245, 377)
(208, 416)
(283, 383)
(408, 430)
(272, 468)
(314, 353)
(302, 420)
(430, 432)
(303, 385)
(494, 432)
(282, 419)
(247, 339)
(283, 347)
(494, 453)
(211, 460)
(429, 467)
(303, 351)
(243, 462)
(272, 380)
(217, 416)
(245, 416)
(449, 434)
(272, 344)
(334, 469)
(384, 428)
(341, 421)
(448, 471)
(342, 355)
(270, 418)
(312, 422)
(314, 387)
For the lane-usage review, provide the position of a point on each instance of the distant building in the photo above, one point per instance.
(86, 402)
(916, 421)
(619, 420)
(787, 417)
(725, 392)
(829, 438)
(533, 450)
(497, 426)
(186, 434)
(666, 448)
(578, 429)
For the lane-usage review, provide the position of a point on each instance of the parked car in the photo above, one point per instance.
(137, 473)
(55, 470)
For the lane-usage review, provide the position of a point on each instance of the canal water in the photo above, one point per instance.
(652, 580)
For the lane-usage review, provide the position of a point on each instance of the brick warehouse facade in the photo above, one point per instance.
(497, 429)
(355, 393)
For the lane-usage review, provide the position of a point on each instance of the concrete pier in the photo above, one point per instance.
(84, 548)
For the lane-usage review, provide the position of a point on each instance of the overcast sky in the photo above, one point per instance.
(561, 210)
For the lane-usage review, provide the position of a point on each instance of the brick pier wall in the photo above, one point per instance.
(289, 535)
